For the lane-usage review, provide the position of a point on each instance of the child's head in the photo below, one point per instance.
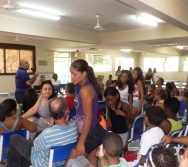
(70, 88)
(171, 106)
(160, 81)
(154, 116)
(110, 77)
(151, 88)
(162, 156)
(161, 94)
(8, 108)
(185, 96)
(169, 87)
(112, 145)
(112, 96)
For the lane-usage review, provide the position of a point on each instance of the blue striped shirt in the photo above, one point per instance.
(53, 136)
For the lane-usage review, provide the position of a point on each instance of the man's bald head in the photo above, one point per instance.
(58, 107)
(24, 64)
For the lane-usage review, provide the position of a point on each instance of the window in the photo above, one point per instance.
(100, 63)
(124, 62)
(185, 64)
(166, 64)
(10, 55)
(62, 66)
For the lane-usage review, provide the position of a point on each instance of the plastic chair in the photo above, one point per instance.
(137, 128)
(4, 141)
(183, 106)
(59, 154)
(102, 106)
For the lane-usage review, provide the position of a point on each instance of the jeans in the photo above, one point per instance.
(19, 97)
(19, 152)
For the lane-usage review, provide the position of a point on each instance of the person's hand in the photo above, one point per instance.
(80, 149)
(166, 139)
(36, 73)
(109, 124)
(184, 159)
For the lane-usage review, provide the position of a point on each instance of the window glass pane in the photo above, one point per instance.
(2, 61)
(185, 64)
(161, 64)
(27, 55)
(62, 66)
(100, 63)
(124, 62)
(12, 60)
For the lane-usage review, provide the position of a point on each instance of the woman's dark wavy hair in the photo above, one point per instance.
(130, 81)
(140, 75)
(50, 83)
(81, 66)
(6, 108)
(111, 91)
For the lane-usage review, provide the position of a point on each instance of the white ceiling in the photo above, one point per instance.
(78, 17)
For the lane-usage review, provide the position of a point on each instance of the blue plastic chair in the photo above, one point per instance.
(59, 154)
(137, 128)
(72, 113)
(4, 141)
(183, 106)
(102, 106)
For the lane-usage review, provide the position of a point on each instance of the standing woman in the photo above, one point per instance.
(138, 96)
(86, 105)
(126, 87)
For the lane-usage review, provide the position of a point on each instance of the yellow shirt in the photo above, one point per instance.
(175, 125)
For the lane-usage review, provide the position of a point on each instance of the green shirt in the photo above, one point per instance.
(122, 163)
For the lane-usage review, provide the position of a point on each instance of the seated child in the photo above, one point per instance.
(184, 120)
(70, 95)
(112, 149)
(171, 107)
(9, 121)
(162, 156)
(154, 116)
(160, 96)
(150, 95)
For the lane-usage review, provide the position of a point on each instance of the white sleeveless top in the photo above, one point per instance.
(124, 94)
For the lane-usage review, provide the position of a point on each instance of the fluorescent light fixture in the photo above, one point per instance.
(40, 8)
(126, 50)
(39, 14)
(144, 20)
(152, 18)
(181, 47)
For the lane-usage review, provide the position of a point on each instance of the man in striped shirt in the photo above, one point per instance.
(24, 153)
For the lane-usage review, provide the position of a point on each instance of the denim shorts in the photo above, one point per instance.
(94, 139)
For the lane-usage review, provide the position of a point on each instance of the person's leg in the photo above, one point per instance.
(92, 158)
(18, 97)
(19, 148)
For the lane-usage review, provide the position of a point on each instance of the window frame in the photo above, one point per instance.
(19, 47)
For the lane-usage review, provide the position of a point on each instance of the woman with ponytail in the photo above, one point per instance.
(9, 121)
(86, 105)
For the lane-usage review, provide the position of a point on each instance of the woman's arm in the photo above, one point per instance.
(33, 110)
(141, 89)
(28, 125)
(87, 95)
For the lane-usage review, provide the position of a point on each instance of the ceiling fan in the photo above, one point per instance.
(98, 27)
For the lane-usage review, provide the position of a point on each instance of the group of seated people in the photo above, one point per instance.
(45, 114)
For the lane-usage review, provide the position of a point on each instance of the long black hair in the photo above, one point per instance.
(81, 66)
(6, 108)
(111, 91)
(130, 81)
